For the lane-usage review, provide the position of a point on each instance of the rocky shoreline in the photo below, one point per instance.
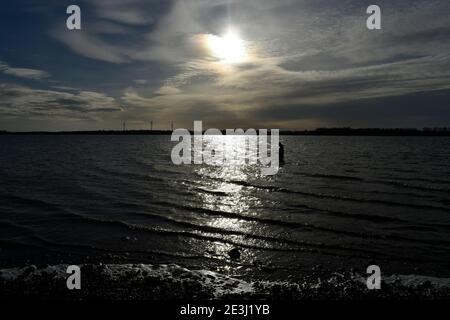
(139, 282)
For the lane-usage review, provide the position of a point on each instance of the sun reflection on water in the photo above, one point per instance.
(226, 189)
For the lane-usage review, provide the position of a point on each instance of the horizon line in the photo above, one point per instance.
(427, 131)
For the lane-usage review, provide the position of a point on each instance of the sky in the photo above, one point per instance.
(287, 64)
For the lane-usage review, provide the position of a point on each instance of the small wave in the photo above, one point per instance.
(36, 203)
(377, 201)
(331, 176)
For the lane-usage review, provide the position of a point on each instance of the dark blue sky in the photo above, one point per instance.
(291, 64)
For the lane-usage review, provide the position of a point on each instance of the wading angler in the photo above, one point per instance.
(237, 147)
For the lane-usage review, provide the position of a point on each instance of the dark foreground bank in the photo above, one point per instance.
(171, 282)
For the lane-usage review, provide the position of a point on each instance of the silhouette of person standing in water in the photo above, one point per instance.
(281, 152)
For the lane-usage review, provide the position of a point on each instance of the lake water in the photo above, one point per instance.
(337, 203)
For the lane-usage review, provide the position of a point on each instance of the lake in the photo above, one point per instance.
(338, 203)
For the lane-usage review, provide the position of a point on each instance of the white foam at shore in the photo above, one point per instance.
(412, 281)
(220, 284)
(217, 285)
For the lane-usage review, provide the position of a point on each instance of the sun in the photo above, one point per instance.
(229, 48)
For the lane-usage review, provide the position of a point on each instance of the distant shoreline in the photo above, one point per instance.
(434, 132)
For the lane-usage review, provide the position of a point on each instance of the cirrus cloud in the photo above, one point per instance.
(23, 72)
(21, 101)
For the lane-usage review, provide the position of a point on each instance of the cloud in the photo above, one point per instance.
(92, 46)
(20, 101)
(131, 12)
(65, 88)
(26, 73)
(168, 90)
(140, 81)
(267, 89)
(304, 54)
(117, 32)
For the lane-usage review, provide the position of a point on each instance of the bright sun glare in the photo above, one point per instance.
(229, 48)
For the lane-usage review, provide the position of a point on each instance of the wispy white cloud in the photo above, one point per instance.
(168, 90)
(129, 12)
(92, 46)
(23, 72)
(20, 101)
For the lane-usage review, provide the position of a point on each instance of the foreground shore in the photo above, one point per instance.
(171, 282)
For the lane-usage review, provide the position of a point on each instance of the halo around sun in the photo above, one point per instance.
(229, 48)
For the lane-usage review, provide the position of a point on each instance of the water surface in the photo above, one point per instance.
(338, 202)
